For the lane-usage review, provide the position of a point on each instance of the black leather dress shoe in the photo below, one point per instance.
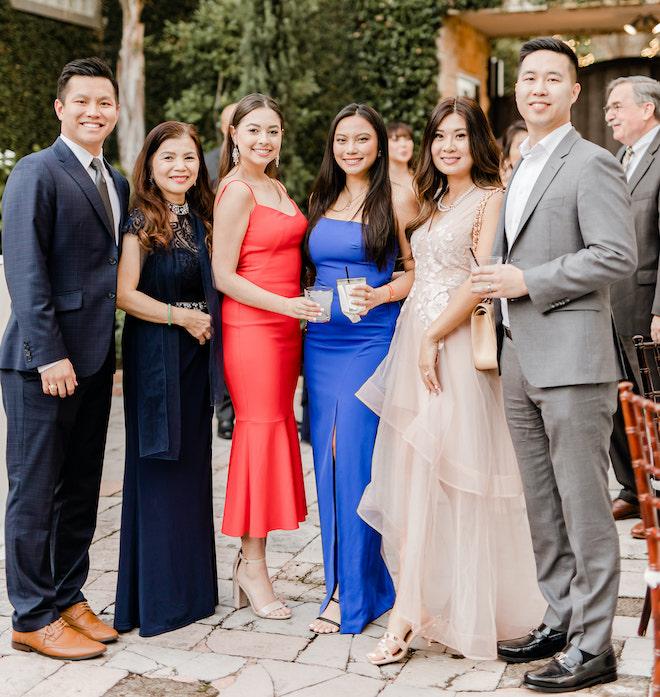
(541, 642)
(225, 429)
(568, 671)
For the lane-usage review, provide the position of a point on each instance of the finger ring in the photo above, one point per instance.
(52, 388)
(490, 287)
(426, 372)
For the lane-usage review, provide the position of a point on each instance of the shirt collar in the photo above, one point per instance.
(547, 143)
(84, 156)
(645, 140)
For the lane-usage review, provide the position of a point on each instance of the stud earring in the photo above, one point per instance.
(235, 155)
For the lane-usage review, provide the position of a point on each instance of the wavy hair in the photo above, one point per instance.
(149, 199)
(485, 172)
(378, 221)
(243, 108)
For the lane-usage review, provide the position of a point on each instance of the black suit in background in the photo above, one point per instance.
(637, 298)
(61, 269)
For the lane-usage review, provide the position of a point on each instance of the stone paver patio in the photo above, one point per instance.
(235, 654)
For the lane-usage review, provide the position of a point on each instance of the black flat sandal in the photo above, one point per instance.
(325, 619)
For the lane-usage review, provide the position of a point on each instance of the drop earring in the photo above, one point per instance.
(235, 155)
(277, 161)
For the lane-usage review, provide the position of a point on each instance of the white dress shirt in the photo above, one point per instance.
(639, 148)
(520, 187)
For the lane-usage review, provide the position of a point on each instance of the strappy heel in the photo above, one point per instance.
(387, 655)
(242, 597)
(325, 619)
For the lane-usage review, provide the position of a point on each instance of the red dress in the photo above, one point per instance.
(262, 353)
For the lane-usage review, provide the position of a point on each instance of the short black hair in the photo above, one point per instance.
(548, 43)
(87, 67)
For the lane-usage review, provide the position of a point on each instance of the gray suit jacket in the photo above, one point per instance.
(636, 298)
(576, 237)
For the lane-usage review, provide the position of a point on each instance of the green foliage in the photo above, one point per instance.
(33, 50)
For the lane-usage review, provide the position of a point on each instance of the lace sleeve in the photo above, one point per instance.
(134, 223)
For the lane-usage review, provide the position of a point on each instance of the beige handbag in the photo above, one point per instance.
(482, 320)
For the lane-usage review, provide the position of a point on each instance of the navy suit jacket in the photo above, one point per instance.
(60, 259)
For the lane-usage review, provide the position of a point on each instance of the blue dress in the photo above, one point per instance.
(339, 358)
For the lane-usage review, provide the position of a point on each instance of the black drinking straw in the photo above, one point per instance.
(473, 256)
(348, 278)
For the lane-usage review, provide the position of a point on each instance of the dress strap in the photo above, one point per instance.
(231, 182)
(479, 215)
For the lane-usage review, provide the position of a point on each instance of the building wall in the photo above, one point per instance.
(463, 52)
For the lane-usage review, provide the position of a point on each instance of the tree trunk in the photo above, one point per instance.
(130, 75)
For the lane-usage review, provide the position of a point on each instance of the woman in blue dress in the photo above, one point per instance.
(354, 225)
(167, 573)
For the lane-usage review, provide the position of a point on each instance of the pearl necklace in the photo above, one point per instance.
(183, 209)
(444, 209)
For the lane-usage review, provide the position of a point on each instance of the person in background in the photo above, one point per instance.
(61, 213)
(633, 113)
(356, 226)
(445, 492)
(402, 160)
(512, 138)
(257, 232)
(225, 411)
(167, 572)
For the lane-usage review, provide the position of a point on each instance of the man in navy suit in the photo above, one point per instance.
(62, 211)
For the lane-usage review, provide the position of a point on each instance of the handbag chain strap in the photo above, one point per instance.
(479, 216)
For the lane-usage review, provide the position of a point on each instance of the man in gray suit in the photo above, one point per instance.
(633, 112)
(566, 233)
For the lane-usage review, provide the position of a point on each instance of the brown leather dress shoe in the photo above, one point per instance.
(83, 620)
(622, 509)
(57, 640)
(637, 531)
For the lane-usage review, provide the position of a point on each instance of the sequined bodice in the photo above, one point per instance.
(441, 249)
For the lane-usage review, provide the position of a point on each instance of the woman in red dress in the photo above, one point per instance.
(257, 232)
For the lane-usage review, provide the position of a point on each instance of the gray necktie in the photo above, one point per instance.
(627, 156)
(102, 187)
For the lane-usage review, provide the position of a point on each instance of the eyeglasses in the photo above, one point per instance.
(616, 107)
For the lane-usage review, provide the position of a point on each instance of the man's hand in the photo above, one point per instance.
(655, 328)
(59, 380)
(499, 281)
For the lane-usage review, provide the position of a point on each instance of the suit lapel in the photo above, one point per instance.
(71, 165)
(548, 173)
(645, 162)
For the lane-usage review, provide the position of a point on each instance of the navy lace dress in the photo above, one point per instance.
(167, 571)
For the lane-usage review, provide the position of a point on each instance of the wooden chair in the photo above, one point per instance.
(642, 419)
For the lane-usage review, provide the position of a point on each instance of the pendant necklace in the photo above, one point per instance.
(451, 206)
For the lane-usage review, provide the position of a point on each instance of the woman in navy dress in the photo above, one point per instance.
(167, 573)
(352, 231)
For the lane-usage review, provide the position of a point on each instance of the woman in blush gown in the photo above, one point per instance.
(167, 574)
(445, 492)
(352, 231)
(257, 233)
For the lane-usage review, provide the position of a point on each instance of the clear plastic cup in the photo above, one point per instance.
(323, 296)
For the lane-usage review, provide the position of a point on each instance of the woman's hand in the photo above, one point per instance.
(363, 295)
(195, 322)
(428, 355)
(301, 308)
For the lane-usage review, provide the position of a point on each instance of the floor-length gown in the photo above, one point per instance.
(262, 353)
(446, 493)
(339, 357)
(167, 571)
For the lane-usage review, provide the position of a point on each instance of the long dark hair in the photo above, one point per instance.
(149, 199)
(485, 172)
(243, 108)
(378, 221)
(398, 129)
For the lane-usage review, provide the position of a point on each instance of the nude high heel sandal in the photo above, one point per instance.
(242, 597)
(386, 654)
